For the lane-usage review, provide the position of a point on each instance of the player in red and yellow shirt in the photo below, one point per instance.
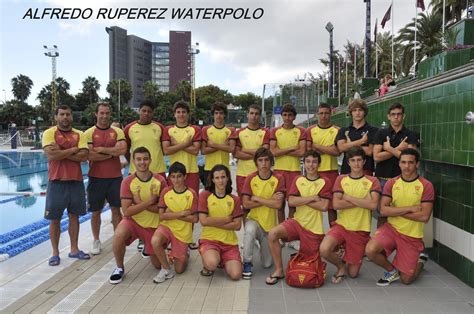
(220, 214)
(355, 197)
(149, 134)
(182, 142)
(65, 148)
(249, 139)
(262, 196)
(310, 194)
(178, 213)
(106, 144)
(407, 201)
(140, 193)
(218, 141)
(287, 144)
(322, 138)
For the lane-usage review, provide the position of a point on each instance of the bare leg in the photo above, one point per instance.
(157, 241)
(116, 216)
(180, 266)
(54, 233)
(327, 251)
(275, 234)
(210, 260)
(374, 250)
(95, 224)
(233, 269)
(73, 230)
(118, 245)
(407, 279)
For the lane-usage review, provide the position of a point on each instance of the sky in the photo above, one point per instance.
(239, 55)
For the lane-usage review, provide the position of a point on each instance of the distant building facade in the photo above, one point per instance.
(138, 60)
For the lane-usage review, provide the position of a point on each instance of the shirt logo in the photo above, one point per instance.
(112, 135)
(417, 188)
(229, 204)
(272, 184)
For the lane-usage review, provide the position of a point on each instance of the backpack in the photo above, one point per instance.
(305, 271)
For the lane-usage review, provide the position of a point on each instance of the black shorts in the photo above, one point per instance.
(61, 195)
(101, 189)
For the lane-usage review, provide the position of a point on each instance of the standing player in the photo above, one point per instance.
(310, 194)
(182, 142)
(149, 134)
(359, 133)
(220, 214)
(263, 194)
(407, 201)
(217, 140)
(287, 144)
(322, 138)
(178, 213)
(249, 139)
(140, 193)
(106, 144)
(355, 196)
(388, 145)
(65, 148)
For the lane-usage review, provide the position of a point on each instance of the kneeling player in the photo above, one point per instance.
(310, 194)
(220, 214)
(178, 209)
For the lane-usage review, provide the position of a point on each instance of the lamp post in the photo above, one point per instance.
(53, 53)
(330, 29)
(367, 39)
(193, 51)
(4, 96)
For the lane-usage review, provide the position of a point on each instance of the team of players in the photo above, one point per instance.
(161, 212)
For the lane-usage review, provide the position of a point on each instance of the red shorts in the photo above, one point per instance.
(240, 183)
(289, 177)
(408, 248)
(227, 252)
(355, 242)
(192, 181)
(309, 242)
(330, 175)
(138, 232)
(179, 249)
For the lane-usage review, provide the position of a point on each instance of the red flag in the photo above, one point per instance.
(386, 17)
(420, 4)
(375, 32)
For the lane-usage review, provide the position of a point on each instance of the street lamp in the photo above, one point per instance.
(53, 53)
(330, 29)
(193, 51)
(4, 96)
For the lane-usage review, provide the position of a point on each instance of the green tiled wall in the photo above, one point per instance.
(445, 61)
(455, 263)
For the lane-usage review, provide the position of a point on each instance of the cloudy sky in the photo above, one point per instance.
(237, 55)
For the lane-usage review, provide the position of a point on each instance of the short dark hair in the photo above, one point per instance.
(62, 107)
(289, 108)
(355, 151)
(256, 107)
(263, 152)
(324, 105)
(211, 187)
(105, 104)
(411, 151)
(181, 104)
(141, 150)
(219, 106)
(177, 167)
(312, 153)
(358, 103)
(147, 103)
(396, 105)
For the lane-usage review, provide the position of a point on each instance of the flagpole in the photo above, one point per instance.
(444, 13)
(355, 62)
(346, 71)
(376, 61)
(393, 9)
(414, 44)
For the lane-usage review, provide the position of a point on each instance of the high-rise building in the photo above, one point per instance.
(138, 60)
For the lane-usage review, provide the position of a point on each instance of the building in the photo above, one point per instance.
(138, 60)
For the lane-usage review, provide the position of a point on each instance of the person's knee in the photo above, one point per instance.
(157, 240)
(325, 249)
(273, 235)
(73, 217)
(406, 280)
(55, 222)
(353, 272)
(372, 249)
(235, 274)
(210, 263)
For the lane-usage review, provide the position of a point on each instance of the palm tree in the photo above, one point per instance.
(21, 87)
(90, 87)
(151, 91)
(125, 91)
(384, 56)
(453, 9)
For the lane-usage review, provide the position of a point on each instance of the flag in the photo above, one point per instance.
(386, 17)
(420, 4)
(375, 31)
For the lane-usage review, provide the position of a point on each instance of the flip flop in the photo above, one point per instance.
(54, 260)
(336, 279)
(206, 273)
(80, 255)
(274, 279)
(193, 246)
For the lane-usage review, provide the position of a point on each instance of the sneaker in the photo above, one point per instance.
(423, 258)
(388, 278)
(247, 272)
(117, 275)
(294, 245)
(163, 275)
(96, 247)
(140, 245)
(144, 255)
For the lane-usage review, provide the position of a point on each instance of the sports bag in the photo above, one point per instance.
(305, 271)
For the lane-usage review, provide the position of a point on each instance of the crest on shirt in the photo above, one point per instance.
(112, 135)
(272, 184)
(229, 204)
(417, 188)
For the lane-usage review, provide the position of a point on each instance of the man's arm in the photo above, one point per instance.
(170, 149)
(235, 224)
(390, 211)
(368, 150)
(53, 152)
(328, 150)
(343, 145)
(194, 148)
(423, 215)
(167, 214)
(276, 201)
(228, 147)
(248, 203)
(276, 151)
(295, 201)
(300, 149)
(339, 203)
(120, 148)
(205, 220)
(370, 201)
(380, 154)
(80, 156)
(206, 149)
(96, 156)
(239, 154)
(129, 209)
(322, 204)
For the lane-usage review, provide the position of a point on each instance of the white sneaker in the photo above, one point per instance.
(163, 275)
(96, 247)
(294, 245)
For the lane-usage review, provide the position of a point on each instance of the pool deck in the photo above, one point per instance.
(29, 285)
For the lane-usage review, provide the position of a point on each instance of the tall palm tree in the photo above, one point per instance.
(21, 87)
(384, 55)
(90, 87)
(453, 9)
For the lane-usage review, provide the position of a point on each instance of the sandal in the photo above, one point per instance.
(273, 280)
(80, 255)
(336, 279)
(54, 260)
(193, 246)
(206, 273)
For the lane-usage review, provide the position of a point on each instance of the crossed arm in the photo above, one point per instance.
(420, 212)
(53, 152)
(345, 201)
(227, 222)
(296, 151)
(313, 201)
